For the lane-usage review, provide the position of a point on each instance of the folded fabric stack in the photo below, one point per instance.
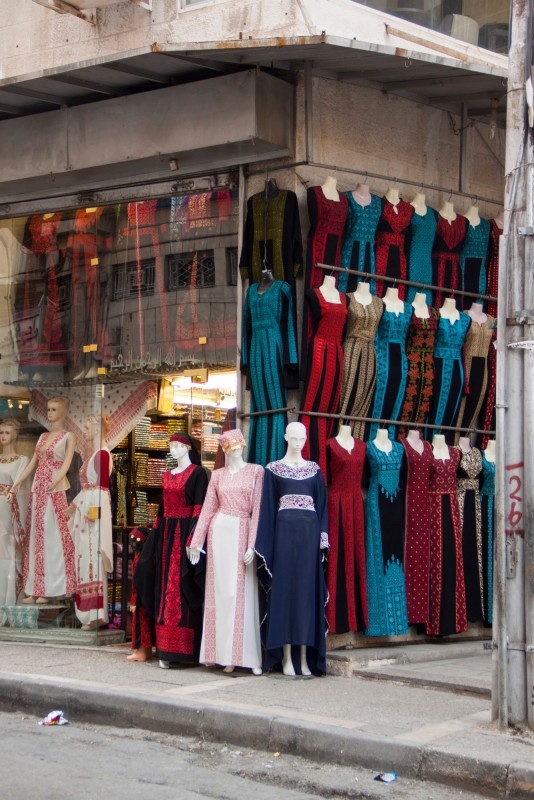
(151, 512)
(142, 432)
(141, 473)
(155, 469)
(159, 437)
(140, 511)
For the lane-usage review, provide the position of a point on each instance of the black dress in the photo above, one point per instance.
(469, 474)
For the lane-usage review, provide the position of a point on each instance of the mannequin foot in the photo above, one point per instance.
(256, 671)
(29, 601)
(143, 654)
(229, 668)
(304, 668)
(42, 601)
(164, 664)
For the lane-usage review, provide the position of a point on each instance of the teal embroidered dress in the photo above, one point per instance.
(487, 497)
(422, 232)
(358, 249)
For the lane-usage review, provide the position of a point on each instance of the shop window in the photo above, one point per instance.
(134, 279)
(231, 266)
(193, 269)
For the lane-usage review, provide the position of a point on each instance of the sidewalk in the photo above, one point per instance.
(384, 717)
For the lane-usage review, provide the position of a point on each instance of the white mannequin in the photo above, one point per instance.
(420, 307)
(464, 443)
(413, 438)
(392, 301)
(329, 188)
(440, 447)
(329, 291)
(447, 211)
(363, 294)
(449, 311)
(477, 313)
(382, 440)
(473, 216)
(362, 194)
(345, 438)
(499, 220)
(419, 204)
(490, 451)
(393, 197)
(180, 452)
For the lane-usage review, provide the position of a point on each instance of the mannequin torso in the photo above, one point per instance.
(477, 314)
(362, 194)
(329, 188)
(382, 441)
(440, 447)
(363, 294)
(489, 452)
(329, 291)
(449, 311)
(393, 197)
(447, 212)
(420, 307)
(413, 438)
(345, 438)
(419, 204)
(464, 443)
(392, 301)
(472, 216)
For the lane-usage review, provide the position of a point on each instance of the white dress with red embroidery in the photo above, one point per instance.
(11, 531)
(49, 558)
(229, 520)
(93, 539)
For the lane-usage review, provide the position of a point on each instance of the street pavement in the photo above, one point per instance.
(422, 711)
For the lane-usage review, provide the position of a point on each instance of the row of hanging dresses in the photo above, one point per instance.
(488, 413)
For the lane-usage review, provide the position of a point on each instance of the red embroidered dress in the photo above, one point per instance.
(390, 244)
(488, 412)
(448, 243)
(346, 609)
(420, 352)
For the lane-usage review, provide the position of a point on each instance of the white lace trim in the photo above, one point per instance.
(301, 501)
(283, 470)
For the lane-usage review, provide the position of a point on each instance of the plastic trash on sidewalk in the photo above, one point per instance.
(54, 718)
(386, 777)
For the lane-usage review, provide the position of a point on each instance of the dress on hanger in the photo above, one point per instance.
(49, 567)
(417, 534)
(325, 368)
(384, 542)
(292, 517)
(420, 353)
(422, 232)
(447, 588)
(488, 413)
(487, 501)
(346, 609)
(358, 248)
(359, 361)
(390, 244)
(448, 373)
(469, 473)
(448, 242)
(473, 260)
(477, 347)
(229, 520)
(11, 531)
(492, 286)
(269, 360)
(392, 366)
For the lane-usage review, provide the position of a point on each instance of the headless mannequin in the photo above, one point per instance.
(382, 440)
(267, 280)
(362, 194)
(419, 204)
(464, 443)
(329, 291)
(499, 220)
(392, 301)
(440, 448)
(472, 216)
(420, 307)
(363, 294)
(414, 440)
(447, 212)
(329, 188)
(489, 452)
(345, 438)
(477, 314)
(270, 189)
(449, 311)
(393, 197)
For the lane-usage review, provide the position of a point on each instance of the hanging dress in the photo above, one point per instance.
(448, 243)
(473, 260)
(346, 609)
(293, 517)
(269, 360)
(12, 536)
(488, 413)
(93, 539)
(477, 347)
(384, 542)
(359, 361)
(417, 532)
(469, 473)
(390, 245)
(229, 520)
(325, 368)
(392, 367)
(49, 567)
(420, 353)
(447, 588)
(358, 248)
(176, 592)
(422, 232)
(448, 373)
(492, 286)
(487, 498)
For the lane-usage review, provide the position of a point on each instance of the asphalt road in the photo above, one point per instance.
(89, 762)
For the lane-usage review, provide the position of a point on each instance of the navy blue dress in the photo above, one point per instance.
(292, 517)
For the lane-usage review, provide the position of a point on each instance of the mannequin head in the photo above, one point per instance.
(9, 430)
(96, 427)
(295, 437)
(57, 408)
(179, 450)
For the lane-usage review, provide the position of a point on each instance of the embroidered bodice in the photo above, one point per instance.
(419, 466)
(386, 468)
(327, 217)
(393, 327)
(10, 468)
(422, 334)
(450, 236)
(476, 241)
(443, 473)
(50, 452)
(345, 469)
(488, 472)
(450, 338)
(363, 321)
(176, 503)
(423, 230)
(392, 225)
(362, 220)
(266, 308)
(235, 490)
(95, 471)
(478, 338)
(330, 321)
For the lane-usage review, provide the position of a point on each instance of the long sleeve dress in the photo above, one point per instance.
(358, 251)
(487, 502)
(420, 353)
(11, 531)
(478, 342)
(93, 539)
(448, 243)
(269, 359)
(473, 260)
(469, 473)
(422, 232)
(390, 244)
(49, 564)
(229, 521)
(293, 516)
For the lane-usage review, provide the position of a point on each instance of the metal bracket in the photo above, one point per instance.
(529, 231)
(490, 645)
(511, 557)
(529, 648)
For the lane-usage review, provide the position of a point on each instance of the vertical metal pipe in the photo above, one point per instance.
(240, 393)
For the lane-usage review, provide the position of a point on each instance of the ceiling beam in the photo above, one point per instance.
(42, 97)
(147, 75)
(73, 80)
(12, 110)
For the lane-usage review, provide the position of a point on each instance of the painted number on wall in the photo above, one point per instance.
(514, 498)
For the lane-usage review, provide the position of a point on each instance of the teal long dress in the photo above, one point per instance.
(473, 260)
(487, 498)
(358, 249)
(422, 232)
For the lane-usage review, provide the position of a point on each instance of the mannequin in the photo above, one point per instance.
(440, 447)
(472, 215)
(292, 531)
(393, 197)
(49, 539)
(363, 294)
(329, 188)
(382, 440)
(90, 524)
(413, 437)
(329, 291)
(499, 220)
(449, 311)
(12, 514)
(420, 306)
(229, 520)
(143, 636)
(489, 452)
(345, 438)
(476, 312)
(464, 443)
(267, 280)
(447, 211)
(362, 194)
(419, 204)
(270, 189)
(392, 301)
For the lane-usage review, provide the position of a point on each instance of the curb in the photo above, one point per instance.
(265, 731)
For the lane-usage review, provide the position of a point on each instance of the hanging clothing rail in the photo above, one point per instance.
(389, 279)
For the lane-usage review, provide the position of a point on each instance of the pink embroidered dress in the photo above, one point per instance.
(229, 520)
(49, 558)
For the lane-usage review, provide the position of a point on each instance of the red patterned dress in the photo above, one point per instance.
(447, 586)
(390, 244)
(448, 243)
(417, 531)
(346, 609)
(179, 587)
(420, 352)
(325, 370)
